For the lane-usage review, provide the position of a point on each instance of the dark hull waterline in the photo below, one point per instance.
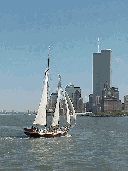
(36, 134)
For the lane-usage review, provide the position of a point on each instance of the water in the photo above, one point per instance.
(95, 143)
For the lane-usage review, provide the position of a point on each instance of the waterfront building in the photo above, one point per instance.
(89, 105)
(122, 107)
(74, 93)
(102, 72)
(78, 101)
(115, 92)
(62, 106)
(110, 100)
(112, 105)
(53, 100)
(126, 103)
(98, 104)
(84, 108)
(31, 112)
(70, 90)
(77, 88)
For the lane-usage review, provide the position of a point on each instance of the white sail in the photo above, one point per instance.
(41, 114)
(71, 105)
(68, 116)
(56, 113)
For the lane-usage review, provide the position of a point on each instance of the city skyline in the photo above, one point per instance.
(71, 29)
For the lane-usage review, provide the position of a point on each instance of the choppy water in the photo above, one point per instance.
(93, 144)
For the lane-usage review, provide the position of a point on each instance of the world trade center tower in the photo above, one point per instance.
(102, 72)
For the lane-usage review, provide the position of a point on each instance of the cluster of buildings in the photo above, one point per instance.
(105, 97)
(74, 93)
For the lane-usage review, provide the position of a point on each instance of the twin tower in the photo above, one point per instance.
(102, 72)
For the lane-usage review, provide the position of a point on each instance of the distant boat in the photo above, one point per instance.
(41, 117)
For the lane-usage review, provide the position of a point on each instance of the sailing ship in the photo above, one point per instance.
(41, 117)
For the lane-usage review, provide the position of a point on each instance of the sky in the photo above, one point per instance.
(71, 28)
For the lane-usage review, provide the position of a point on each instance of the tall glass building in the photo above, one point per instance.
(102, 72)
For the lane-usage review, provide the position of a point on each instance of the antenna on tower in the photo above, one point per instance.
(48, 57)
(98, 45)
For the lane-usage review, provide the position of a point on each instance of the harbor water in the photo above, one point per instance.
(94, 143)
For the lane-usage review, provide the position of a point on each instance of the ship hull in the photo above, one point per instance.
(37, 134)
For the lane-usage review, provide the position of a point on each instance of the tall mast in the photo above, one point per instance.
(98, 45)
(55, 120)
(59, 84)
(48, 82)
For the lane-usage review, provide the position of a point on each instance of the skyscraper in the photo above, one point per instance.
(70, 90)
(53, 99)
(74, 93)
(102, 72)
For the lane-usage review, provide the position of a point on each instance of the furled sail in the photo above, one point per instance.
(71, 105)
(68, 116)
(41, 114)
(56, 113)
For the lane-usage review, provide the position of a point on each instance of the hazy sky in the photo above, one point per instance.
(71, 28)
